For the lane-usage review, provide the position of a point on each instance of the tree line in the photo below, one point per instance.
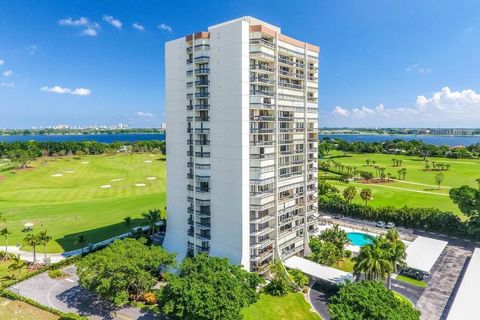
(398, 146)
(23, 152)
(429, 219)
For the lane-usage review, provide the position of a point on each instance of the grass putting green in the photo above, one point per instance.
(68, 196)
(292, 306)
(419, 188)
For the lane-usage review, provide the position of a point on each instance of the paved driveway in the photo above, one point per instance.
(66, 295)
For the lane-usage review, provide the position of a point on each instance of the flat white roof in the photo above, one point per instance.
(317, 270)
(423, 252)
(465, 305)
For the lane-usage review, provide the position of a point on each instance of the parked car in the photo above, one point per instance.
(380, 224)
(412, 273)
(390, 225)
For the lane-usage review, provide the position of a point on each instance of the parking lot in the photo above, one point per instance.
(66, 295)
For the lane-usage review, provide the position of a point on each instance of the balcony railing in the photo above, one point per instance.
(261, 67)
(290, 85)
(202, 154)
(262, 42)
(202, 59)
(286, 61)
(202, 142)
(262, 118)
(202, 106)
(202, 94)
(202, 71)
(262, 130)
(261, 93)
(202, 83)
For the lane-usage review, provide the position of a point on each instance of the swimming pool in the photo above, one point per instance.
(359, 239)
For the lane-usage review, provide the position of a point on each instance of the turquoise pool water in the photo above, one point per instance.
(359, 239)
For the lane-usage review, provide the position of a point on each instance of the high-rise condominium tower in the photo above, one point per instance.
(242, 119)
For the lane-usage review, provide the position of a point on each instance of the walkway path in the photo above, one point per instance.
(56, 257)
(433, 302)
(404, 189)
(421, 184)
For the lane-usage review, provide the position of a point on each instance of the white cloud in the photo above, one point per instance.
(82, 21)
(89, 28)
(8, 73)
(90, 32)
(113, 22)
(418, 68)
(145, 115)
(32, 49)
(165, 27)
(62, 90)
(341, 111)
(138, 26)
(443, 108)
(2, 62)
(81, 92)
(7, 84)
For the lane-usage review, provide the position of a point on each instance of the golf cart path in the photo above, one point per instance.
(404, 189)
(420, 184)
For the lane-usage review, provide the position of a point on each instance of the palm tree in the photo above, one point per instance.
(82, 241)
(44, 240)
(33, 241)
(153, 216)
(366, 195)
(395, 249)
(372, 261)
(5, 232)
(16, 264)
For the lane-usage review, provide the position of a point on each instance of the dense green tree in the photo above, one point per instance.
(126, 268)
(373, 261)
(337, 236)
(153, 217)
(349, 193)
(324, 252)
(21, 156)
(208, 288)
(369, 301)
(279, 285)
(299, 277)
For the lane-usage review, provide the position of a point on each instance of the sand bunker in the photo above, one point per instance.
(148, 161)
(151, 178)
(140, 185)
(84, 162)
(106, 186)
(57, 175)
(115, 180)
(69, 171)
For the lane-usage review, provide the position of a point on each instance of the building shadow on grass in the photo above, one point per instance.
(70, 242)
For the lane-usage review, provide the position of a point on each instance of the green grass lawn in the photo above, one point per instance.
(18, 310)
(291, 307)
(415, 282)
(344, 265)
(419, 188)
(65, 196)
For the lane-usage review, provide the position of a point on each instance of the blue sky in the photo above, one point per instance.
(396, 63)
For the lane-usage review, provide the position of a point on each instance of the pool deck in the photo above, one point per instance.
(353, 248)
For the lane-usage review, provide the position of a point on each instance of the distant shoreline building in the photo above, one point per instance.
(242, 117)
